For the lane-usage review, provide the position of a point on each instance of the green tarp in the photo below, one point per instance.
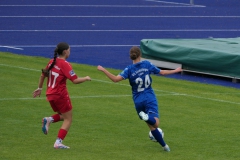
(220, 56)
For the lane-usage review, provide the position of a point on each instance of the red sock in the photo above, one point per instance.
(62, 133)
(56, 117)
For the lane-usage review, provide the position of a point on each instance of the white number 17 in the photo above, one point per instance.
(51, 83)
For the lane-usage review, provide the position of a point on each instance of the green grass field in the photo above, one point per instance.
(200, 121)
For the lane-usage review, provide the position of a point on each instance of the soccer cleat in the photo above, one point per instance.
(166, 148)
(45, 125)
(60, 146)
(143, 115)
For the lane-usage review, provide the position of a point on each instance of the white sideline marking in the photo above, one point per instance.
(154, 30)
(77, 97)
(120, 16)
(72, 97)
(11, 47)
(20, 67)
(169, 93)
(111, 6)
(187, 4)
(223, 93)
(212, 99)
(168, 2)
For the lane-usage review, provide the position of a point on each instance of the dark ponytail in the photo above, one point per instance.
(58, 51)
(135, 52)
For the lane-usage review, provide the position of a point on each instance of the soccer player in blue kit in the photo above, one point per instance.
(144, 97)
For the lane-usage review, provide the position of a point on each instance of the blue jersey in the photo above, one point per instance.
(140, 80)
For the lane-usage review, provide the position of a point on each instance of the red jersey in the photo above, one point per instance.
(58, 75)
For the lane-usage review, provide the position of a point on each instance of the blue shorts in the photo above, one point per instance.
(150, 108)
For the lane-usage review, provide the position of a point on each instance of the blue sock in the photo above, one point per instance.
(151, 120)
(158, 136)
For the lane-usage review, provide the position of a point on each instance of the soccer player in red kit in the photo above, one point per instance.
(57, 71)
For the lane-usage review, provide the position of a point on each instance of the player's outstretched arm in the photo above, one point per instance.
(110, 75)
(81, 79)
(167, 72)
(38, 91)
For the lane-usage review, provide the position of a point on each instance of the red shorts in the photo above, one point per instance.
(60, 104)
